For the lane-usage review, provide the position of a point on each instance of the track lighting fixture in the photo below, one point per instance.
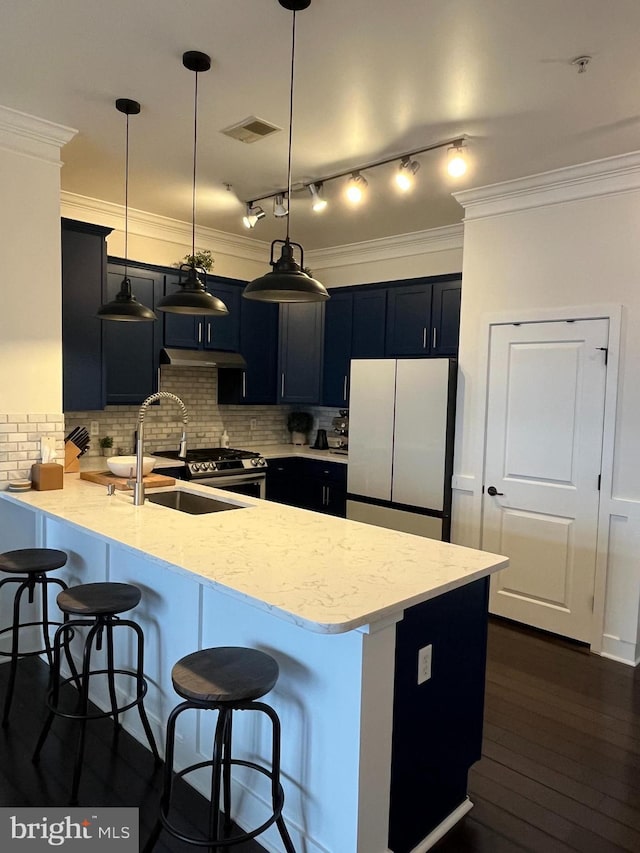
(125, 307)
(356, 187)
(405, 174)
(279, 208)
(287, 282)
(193, 296)
(456, 161)
(318, 203)
(253, 214)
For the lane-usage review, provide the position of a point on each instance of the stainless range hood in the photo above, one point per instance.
(201, 358)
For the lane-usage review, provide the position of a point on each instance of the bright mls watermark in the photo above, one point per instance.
(79, 829)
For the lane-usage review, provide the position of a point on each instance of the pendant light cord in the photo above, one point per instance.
(293, 55)
(195, 154)
(126, 198)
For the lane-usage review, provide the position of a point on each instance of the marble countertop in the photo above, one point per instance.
(326, 574)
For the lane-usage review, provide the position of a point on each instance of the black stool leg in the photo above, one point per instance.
(54, 692)
(141, 688)
(226, 770)
(83, 710)
(216, 781)
(111, 678)
(277, 793)
(15, 635)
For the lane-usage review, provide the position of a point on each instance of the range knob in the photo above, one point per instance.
(262, 461)
(195, 466)
(255, 461)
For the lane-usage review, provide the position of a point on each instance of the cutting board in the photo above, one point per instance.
(106, 478)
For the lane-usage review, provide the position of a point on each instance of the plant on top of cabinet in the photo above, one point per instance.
(299, 425)
(202, 259)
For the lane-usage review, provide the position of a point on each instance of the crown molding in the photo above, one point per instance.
(608, 176)
(155, 227)
(442, 239)
(32, 136)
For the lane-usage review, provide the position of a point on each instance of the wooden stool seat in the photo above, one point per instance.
(32, 560)
(95, 599)
(226, 674)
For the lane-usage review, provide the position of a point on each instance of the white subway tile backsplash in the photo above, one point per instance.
(197, 388)
(20, 441)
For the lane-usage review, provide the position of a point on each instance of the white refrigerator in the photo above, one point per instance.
(401, 424)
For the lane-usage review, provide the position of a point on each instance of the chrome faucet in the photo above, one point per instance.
(138, 486)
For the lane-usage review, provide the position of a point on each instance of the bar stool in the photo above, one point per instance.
(95, 606)
(225, 680)
(30, 566)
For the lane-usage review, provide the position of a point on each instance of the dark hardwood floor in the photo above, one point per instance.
(560, 770)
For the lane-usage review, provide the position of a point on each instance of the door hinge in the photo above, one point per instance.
(605, 350)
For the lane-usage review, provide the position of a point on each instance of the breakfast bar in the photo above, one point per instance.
(380, 637)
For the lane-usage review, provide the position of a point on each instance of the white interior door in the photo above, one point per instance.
(543, 450)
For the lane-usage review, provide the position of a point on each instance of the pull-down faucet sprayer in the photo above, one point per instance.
(138, 487)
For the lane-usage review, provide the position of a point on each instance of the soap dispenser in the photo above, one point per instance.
(224, 439)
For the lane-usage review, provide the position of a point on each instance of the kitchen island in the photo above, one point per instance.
(329, 599)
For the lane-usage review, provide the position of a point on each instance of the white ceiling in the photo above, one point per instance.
(373, 79)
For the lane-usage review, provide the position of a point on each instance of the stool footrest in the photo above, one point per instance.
(55, 708)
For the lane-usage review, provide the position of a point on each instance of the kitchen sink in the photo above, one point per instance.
(189, 502)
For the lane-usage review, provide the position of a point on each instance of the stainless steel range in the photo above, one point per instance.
(241, 471)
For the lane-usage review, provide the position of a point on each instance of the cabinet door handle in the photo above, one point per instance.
(282, 384)
(434, 338)
(199, 333)
(208, 333)
(158, 385)
(325, 496)
(344, 389)
(244, 384)
(424, 338)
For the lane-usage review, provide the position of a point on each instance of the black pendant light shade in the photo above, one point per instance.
(193, 297)
(125, 307)
(287, 282)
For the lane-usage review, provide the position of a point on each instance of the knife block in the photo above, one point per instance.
(71, 460)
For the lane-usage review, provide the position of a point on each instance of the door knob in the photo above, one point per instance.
(493, 491)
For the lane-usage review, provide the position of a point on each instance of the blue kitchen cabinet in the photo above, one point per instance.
(369, 323)
(257, 382)
(446, 317)
(131, 350)
(338, 322)
(408, 320)
(190, 331)
(312, 484)
(300, 345)
(84, 270)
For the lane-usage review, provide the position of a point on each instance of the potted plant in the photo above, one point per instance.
(299, 425)
(202, 259)
(106, 443)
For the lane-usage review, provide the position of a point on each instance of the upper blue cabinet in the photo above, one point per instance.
(84, 271)
(300, 352)
(409, 320)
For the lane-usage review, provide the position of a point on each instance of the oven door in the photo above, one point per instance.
(253, 485)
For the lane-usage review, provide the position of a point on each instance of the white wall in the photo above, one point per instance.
(563, 239)
(30, 320)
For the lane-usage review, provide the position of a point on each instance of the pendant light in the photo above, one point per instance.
(193, 297)
(125, 307)
(287, 282)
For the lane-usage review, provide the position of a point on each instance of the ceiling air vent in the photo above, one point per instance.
(250, 129)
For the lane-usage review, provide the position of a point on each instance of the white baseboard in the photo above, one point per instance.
(444, 827)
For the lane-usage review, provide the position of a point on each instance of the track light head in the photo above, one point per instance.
(253, 214)
(318, 203)
(456, 160)
(356, 187)
(405, 174)
(279, 208)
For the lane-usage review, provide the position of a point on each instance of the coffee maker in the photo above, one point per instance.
(341, 427)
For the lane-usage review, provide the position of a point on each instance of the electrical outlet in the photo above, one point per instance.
(253, 423)
(94, 429)
(424, 663)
